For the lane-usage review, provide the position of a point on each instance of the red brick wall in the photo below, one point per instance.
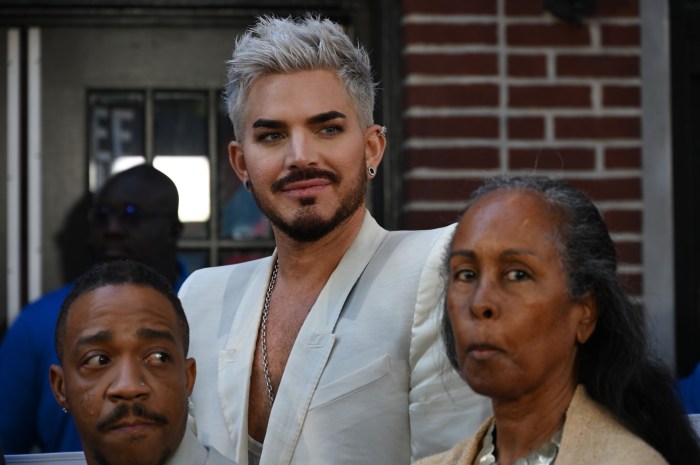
(501, 86)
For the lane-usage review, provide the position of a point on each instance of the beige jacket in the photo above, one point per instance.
(592, 436)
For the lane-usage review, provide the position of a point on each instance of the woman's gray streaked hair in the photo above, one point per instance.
(286, 45)
(615, 364)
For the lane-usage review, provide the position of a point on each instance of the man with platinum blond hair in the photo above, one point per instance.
(328, 351)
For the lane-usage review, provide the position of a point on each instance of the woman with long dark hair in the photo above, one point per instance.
(536, 319)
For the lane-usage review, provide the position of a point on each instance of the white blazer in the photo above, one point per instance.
(367, 380)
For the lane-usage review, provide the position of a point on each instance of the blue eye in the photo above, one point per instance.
(269, 137)
(128, 215)
(331, 130)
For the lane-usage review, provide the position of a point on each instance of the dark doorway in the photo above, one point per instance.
(685, 72)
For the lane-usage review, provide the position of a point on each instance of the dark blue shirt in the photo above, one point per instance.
(29, 413)
(690, 391)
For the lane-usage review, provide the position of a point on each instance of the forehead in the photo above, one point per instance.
(299, 94)
(131, 189)
(514, 216)
(122, 309)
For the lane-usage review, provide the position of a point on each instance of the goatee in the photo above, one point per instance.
(307, 225)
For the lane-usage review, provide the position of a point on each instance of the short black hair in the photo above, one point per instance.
(114, 273)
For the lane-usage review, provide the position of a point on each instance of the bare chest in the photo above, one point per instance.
(277, 334)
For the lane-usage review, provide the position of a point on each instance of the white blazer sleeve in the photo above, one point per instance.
(443, 409)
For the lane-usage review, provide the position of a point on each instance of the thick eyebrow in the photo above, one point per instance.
(267, 123)
(155, 334)
(323, 117)
(97, 338)
(316, 119)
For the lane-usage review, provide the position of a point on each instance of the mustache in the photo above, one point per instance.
(303, 174)
(123, 410)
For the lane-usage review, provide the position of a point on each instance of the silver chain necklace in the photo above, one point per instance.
(263, 334)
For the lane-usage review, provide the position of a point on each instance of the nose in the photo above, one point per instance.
(129, 382)
(108, 223)
(114, 225)
(484, 304)
(300, 151)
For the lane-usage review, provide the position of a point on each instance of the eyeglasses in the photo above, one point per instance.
(130, 215)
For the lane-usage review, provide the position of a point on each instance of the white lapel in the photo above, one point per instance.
(236, 359)
(312, 347)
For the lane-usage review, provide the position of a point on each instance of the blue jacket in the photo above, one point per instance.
(29, 414)
(690, 391)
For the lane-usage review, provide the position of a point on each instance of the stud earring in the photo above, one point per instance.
(371, 171)
(246, 184)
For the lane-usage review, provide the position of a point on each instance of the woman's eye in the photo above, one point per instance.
(97, 360)
(516, 275)
(464, 275)
(158, 358)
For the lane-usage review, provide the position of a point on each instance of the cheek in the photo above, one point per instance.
(86, 405)
(173, 401)
(458, 313)
(546, 332)
(260, 175)
(87, 393)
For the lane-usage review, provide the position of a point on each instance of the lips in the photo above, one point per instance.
(131, 418)
(305, 188)
(115, 253)
(132, 426)
(483, 351)
(303, 182)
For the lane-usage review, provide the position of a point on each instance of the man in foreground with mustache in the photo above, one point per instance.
(122, 340)
(327, 352)
(134, 216)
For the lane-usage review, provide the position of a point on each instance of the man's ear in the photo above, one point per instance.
(58, 386)
(237, 160)
(375, 144)
(190, 374)
(176, 229)
(588, 320)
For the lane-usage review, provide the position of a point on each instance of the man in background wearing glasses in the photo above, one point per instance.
(134, 216)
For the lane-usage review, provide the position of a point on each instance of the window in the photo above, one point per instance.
(185, 134)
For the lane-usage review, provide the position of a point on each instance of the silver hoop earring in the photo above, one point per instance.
(65, 410)
(371, 171)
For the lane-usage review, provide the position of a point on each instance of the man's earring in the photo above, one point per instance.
(65, 410)
(372, 172)
(246, 184)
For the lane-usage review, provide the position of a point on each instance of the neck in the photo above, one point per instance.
(168, 269)
(530, 421)
(316, 260)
